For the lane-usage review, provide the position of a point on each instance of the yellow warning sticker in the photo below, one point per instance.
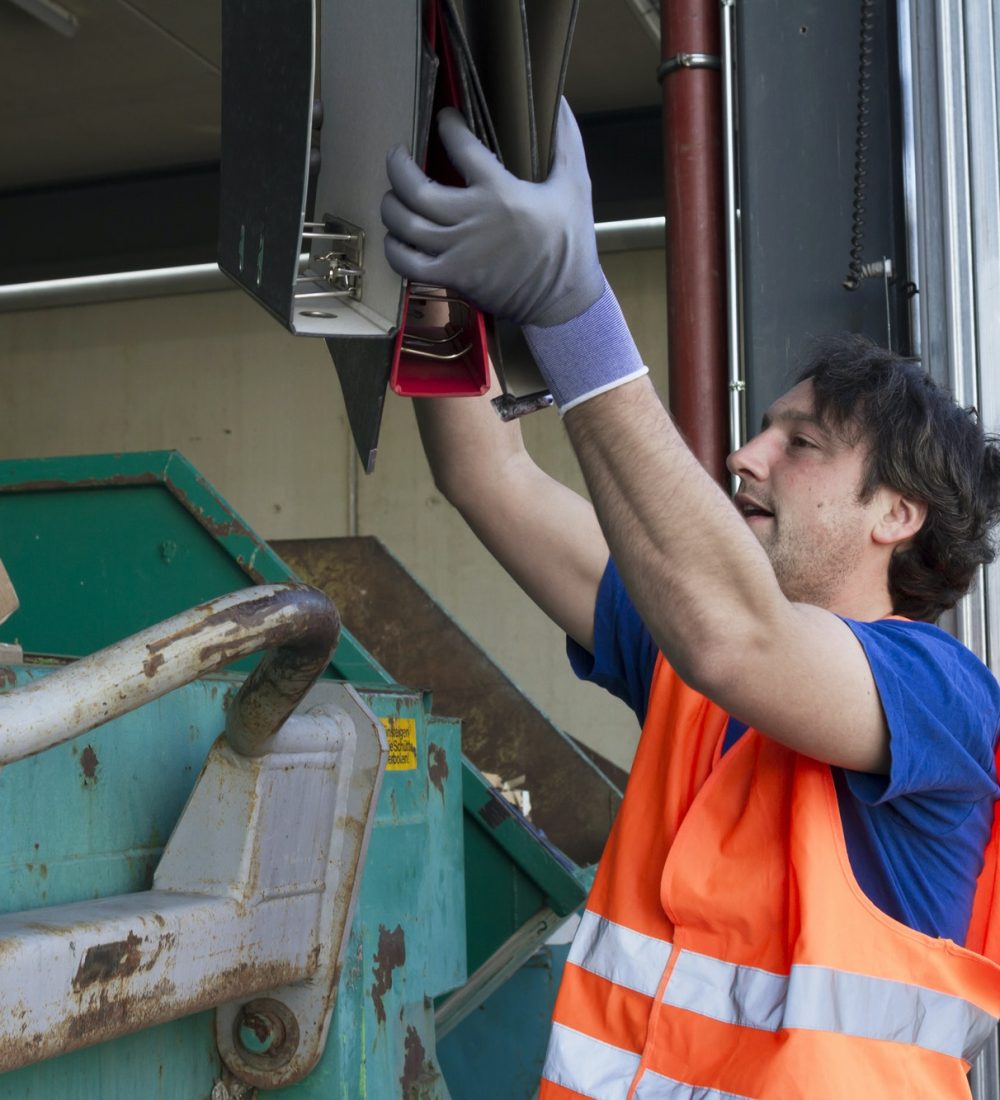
(402, 736)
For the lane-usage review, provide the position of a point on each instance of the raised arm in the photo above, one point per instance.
(700, 579)
(544, 534)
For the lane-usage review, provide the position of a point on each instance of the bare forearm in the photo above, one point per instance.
(695, 572)
(545, 535)
(466, 443)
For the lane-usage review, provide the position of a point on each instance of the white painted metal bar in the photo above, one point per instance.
(492, 973)
(299, 625)
(951, 111)
(263, 909)
(909, 164)
(737, 381)
(112, 287)
(618, 236)
(982, 91)
(288, 801)
(72, 974)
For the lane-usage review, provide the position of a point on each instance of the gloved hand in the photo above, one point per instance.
(519, 250)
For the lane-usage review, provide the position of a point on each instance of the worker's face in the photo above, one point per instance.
(799, 493)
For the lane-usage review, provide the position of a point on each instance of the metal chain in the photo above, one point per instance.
(854, 272)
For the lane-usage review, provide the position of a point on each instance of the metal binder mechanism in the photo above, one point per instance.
(301, 176)
(441, 348)
(336, 265)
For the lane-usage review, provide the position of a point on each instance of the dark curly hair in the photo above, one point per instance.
(921, 444)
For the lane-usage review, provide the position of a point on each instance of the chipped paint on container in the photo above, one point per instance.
(407, 942)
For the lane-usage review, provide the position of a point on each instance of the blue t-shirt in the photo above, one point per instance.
(916, 836)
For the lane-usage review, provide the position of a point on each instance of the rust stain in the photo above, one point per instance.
(221, 530)
(118, 960)
(247, 614)
(255, 575)
(106, 1017)
(115, 481)
(251, 614)
(151, 664)
(390, 954)
(420, 1077)
(106, 961)
(260, 1027)
(113, 1010)
(88, 764)
(8, 677)
(437, 767)
(148, 871)
(45, 926)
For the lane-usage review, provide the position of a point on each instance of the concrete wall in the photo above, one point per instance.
(260, 414)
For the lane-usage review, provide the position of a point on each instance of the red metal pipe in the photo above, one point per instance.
(693, 174)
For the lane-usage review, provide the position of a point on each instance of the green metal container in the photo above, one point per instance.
(522, 878)
(456, 881)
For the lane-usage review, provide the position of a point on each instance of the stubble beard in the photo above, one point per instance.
(811, 569)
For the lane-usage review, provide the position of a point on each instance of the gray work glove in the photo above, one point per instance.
(522, 251)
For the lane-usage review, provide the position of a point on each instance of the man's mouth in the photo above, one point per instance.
(750, 508)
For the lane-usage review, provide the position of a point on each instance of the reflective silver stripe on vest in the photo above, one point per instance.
(654, 1086)
(617, 953)
(820, 998)
(733, 994)
(587, 1065)
(814, 998)
(855, 1004)
(604, 1072)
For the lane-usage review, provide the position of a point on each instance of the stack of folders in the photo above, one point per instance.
(314, 92)
(503, 64)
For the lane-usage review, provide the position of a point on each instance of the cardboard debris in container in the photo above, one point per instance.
(512, 790)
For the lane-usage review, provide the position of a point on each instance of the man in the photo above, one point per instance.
(779, 909)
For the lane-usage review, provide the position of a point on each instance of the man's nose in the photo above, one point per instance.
(749, 461)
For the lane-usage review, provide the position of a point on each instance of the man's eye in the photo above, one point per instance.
(802, 441)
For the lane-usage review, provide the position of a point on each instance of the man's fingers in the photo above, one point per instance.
(568, 141)
(412, 264)
(432, 200)
(465, 151)
(411, 228)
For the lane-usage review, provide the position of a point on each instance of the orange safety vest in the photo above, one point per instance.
(727, 951)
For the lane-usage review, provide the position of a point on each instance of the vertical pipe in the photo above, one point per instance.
(735, 380)
(692, 149)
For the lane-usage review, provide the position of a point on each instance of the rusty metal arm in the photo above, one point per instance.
(298, 625)
(256, 886)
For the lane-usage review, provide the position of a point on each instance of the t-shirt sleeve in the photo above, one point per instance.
(624, 653)
(942, 706)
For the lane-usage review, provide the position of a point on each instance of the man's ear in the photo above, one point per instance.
(900, 518)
